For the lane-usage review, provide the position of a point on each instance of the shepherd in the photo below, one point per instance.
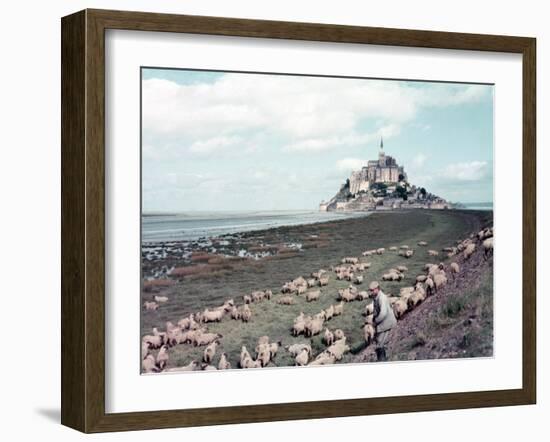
(384, 319)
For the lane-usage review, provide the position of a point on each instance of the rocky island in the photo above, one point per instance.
(381, 184)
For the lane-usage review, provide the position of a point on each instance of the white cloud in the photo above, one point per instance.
(471, 171)
(307, 114)
(419, 160)
(350, 164)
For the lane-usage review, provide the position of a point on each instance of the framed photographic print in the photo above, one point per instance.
(271, 220)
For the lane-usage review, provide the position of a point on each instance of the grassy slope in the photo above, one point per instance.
(344, 238)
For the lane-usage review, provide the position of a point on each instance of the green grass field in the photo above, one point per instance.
(342, 238)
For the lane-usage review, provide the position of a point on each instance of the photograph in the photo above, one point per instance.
(304, 220)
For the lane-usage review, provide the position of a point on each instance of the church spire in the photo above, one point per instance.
(381, 143)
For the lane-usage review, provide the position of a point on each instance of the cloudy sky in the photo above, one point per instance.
(234, 141)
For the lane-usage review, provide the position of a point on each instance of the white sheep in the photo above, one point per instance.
(224, 364)
(286, 300)
(487, 247)
(148, 364)
(302, 358)
(323, 358)
(328, 337)
(339, 309)
(313, 295)
(422, 243)
(192, 366)
(469, 250)
(400, 307)
(368, 333)
(246, 313)
(209, 352)
(433, 252)
(295, 349)
(329, 312)
(150, 305)
(358, 279)
(454, 269)
(161, 299)
(338, 334)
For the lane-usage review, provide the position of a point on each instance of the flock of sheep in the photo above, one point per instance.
(193, 329)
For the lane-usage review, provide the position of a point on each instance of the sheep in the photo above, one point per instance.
(328, 337)
(150, 305)
(362, 295)
(302, 358)
(422, 243)
(487, 247)
(274, 348)
(404, 247)
(295, 349)
(403, 269)
(346, 295)
(380, 250)
(439, 280)
(454, 269)
(329, 312)
(206, 367)
(247, 299)
(469, 250)
(286, 300)
(174, 336)
(433, 252)
(430, 286)
(323, 281)
(421, 278)
(153, 341)
(299, 327)
(368, 333)
(162, 357)
(235, 313)
(209, 352)
(228, 305)
(263, 354)
(338, 334)
(161, 299)
(313, 295)
(338, 349)
(203, 338)
(350, 260)
(258, 296)
(358, 279)
(244, 356)
(212, 315)
(246, 313)
(324, 358)
(192, 366)
(224, 364)
(313, 327)
(369, 309)
(339, 309)
(415, 299)
(268, 294)
(148, 364)
(302, 289)
(184, 323)
(405, 290)
(262, 340)
(311, 282)
(392, 276)
(409, 253)
(144, 349)
(400, 308)
(393, 249)
(367, 253)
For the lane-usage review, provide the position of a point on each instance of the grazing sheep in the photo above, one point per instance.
(174, 336)
(358, 279)
(369, 309)
(415, 299)
(409, 253)
(161, 299)
(380, 250)
(150, 305)
(338, 349)
(368, 333)
(469, 250)
(258, 296)
(286, 300)
(404, 247)
(192, 366)
(224, 364)
(206, 367)
(313, 295)
(313, 327)
(422, 243)
(433, 252)
(369, 319)
(421, 278)
(362, 295)
(400, 308)
(439, 281)
(405, 290)
(203, 338)
(228, 305)
(184, 323)
(402, 269)
(212, 315)
(329, 312)
(244, 356)
(302, 289)
(209, 352)
(311, 282)
(454, 269)
(430, 286)
(328, 337)
(338, 334)
(247, 299)
(487, 247)
(302, 358)
(324, 358)
(367, 253)
(323, 280)
(246, 313)
(295, 349)
(393, 249)
(350, 260)
(274, 348)
(153, 341)
(392, 276)
(235, 313)
(268, 294)
(144, 349)
(299, 327)
(263, 355)
(148, 364)
(346, 295)
(339, 309)
(162, 357)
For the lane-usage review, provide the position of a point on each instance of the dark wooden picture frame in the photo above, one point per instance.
(83, 219)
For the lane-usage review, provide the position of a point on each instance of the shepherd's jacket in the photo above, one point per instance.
(384, 319)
